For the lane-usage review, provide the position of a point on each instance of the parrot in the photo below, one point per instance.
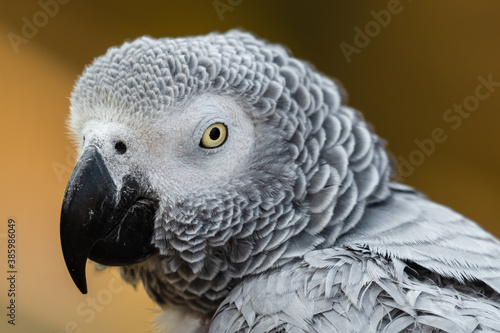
(235, 183)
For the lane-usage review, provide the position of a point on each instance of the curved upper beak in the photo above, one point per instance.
(99, 221)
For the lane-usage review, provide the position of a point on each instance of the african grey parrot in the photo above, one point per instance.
(230, 178)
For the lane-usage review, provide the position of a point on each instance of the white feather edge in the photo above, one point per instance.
(178, 321)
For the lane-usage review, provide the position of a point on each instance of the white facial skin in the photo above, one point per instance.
(165, 148)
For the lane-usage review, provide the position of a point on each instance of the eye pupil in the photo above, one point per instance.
(214, 133)
(214, 136)
(120, 147)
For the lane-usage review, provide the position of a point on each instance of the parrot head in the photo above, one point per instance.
(207, 159)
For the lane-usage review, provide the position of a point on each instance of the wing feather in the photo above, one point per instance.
(412, 228)
(367, 282)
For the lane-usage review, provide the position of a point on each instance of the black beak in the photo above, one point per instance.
(110, 226)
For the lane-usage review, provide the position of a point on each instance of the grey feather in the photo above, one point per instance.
(309, 235)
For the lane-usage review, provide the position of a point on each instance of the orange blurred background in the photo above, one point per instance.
(404, 78)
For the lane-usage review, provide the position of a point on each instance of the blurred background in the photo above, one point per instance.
(404, 64)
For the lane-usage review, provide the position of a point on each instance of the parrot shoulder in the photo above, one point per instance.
(352, 290)
(414, 229)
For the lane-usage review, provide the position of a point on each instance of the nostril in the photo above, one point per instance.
(120, 147)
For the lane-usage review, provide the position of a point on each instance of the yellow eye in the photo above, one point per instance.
(214, 136)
